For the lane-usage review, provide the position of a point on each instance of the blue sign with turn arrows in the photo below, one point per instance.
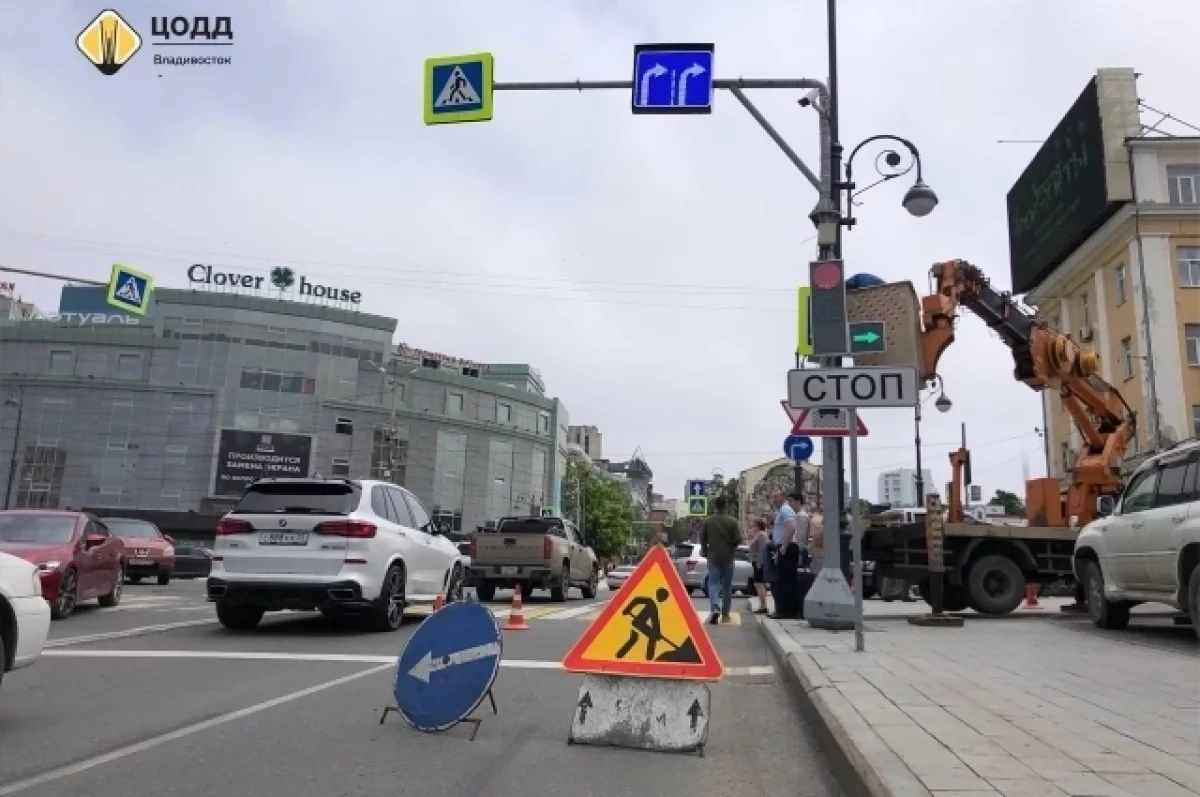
(797, 448)
(448, 666)
(673, 78)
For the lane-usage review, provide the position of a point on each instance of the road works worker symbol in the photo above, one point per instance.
(649, 629)
(108, 42)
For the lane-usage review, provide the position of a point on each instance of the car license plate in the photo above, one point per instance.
(139, 560)
(283, 538)
(509, 571)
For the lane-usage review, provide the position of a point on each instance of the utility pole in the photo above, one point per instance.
(394, 384)
(19, 401)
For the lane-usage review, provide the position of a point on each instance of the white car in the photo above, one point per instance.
(24, 614)
(1146, 546)
(340, 546)
(617, 577)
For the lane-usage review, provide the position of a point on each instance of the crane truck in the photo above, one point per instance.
(987, 567)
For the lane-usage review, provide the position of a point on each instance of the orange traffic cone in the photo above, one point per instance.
(1031, 597)
(516, 616)
(438, 602)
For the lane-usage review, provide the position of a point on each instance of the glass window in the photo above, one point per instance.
(503, 412)
(1183, 184)
(344, 426)
(380, 504)
(1140, 494)
(1086, 314)
(271, 381)
(1191, 337)
(454, 403)
(1120, 278)
(44, 529)
(339, 466)
(62, 362)
(1196, 420)
(1172, 484)
(419, 515)
(1127, 358)
(129, 366)
(134, 529)
(252, 378)
(400, 508)
(315, 497)
(1189, 266)
(544, 422)
(450, 463)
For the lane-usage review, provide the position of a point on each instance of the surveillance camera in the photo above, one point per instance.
(808, 98)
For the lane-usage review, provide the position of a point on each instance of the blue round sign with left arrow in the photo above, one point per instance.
(448, 666)
(797, 447)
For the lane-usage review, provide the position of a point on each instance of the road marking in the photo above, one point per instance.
(355, 658)
(128, 632)
(155, 741)
(575, 612)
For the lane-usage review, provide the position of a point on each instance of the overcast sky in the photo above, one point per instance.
(647, 266)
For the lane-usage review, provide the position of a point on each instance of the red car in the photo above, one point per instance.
(148, 552)
(75, 553)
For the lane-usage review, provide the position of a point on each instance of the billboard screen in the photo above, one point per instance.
(1062, 196)
(245, 456)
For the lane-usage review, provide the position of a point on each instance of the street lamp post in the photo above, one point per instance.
(19, 403)
(393, 384)
(943, 405)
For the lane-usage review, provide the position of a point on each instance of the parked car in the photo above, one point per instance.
(617, 577)
(536, 553)
(340, 546)
(148, 552)
(24, 614)
(693, 568)
(76, 555)
(1145, 547)
(192, 561)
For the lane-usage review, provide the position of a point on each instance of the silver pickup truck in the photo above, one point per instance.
(535, 552)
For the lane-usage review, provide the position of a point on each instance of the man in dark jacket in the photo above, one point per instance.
(718, 542)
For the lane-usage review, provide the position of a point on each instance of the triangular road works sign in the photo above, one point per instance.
(826, 423)
(649, 629)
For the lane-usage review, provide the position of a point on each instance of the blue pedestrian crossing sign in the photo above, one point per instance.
(458, 88)
(697, 488)
(129, 290)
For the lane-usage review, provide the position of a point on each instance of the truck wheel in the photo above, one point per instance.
(1106, 614)
(486, 591)
(1194, 599)
(995, 585)
(589, 591)
(558, 592)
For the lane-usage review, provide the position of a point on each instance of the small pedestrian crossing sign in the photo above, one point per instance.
(458, 89)
(129, 290)
(697, 507)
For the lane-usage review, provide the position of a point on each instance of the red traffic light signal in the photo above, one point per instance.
(827, 275)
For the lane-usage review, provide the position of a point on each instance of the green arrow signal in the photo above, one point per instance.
(865, 337)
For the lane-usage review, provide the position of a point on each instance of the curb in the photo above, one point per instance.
(862, 763)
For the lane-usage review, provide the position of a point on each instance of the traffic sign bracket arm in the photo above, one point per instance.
(734, 86)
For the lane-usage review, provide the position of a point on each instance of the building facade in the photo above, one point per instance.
(178, 411)
(898, 487)
(589, 439)
(1131, 292)
(756, 484)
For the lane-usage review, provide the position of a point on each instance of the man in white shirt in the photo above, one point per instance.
(787, 545)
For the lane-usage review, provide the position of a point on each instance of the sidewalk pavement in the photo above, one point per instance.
(1020, 708)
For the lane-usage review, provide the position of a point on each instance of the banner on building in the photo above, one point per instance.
(245, 456)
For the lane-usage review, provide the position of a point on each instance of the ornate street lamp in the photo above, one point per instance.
(919, 200)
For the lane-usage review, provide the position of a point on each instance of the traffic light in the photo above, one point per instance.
(827, 314)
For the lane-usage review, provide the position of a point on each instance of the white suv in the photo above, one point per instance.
(339, 546)
(1146, 547)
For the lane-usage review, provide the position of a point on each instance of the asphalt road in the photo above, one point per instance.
(155, 697)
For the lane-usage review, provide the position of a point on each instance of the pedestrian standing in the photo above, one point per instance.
(787, 557)
(718, 542)
(758, 553)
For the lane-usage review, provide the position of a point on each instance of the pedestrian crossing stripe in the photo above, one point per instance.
(649, 629)
(458, 89)
(129, 290)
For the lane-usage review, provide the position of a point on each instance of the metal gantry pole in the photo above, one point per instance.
(856, 534)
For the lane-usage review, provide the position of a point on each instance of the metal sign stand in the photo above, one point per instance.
(475, 722)
(935, 536)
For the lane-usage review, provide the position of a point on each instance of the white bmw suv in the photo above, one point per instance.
(340, 546)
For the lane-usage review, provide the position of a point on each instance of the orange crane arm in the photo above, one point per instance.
(1042, 359)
